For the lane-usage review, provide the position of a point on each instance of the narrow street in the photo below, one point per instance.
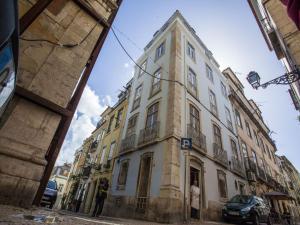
(14, 215)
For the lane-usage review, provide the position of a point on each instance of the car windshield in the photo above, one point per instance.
(244, 199)
(51, 184)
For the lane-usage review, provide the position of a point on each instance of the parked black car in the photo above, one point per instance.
(247, 208)
(50, 194)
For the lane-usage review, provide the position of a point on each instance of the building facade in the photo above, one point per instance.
(264, 171)
(292, 179)
(153, 176)
(279, 24)
(111, 124)
(96, 157)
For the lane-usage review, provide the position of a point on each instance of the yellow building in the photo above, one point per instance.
(110, 144)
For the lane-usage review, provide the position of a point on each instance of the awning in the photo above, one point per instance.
(278, 195)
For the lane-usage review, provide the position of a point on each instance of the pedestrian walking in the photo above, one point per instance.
(101, 196)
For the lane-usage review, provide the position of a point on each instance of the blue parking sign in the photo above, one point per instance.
(186, 143)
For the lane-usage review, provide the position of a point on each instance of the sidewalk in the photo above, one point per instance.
(10, 215)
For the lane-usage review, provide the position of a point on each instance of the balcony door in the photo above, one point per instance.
(152, 116)
(144, 180)
(217, 136)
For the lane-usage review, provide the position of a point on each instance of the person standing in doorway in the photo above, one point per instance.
(195, 200)
(101, 196)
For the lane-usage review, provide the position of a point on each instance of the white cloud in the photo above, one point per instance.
(86, 116)
(126, 65)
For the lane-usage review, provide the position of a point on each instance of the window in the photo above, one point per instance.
(270, 153)
(160, 51)
(234, 150)
(111, 151)
(98, 137)
(194, 118)
(256, 138)
(131, 124)
(254, 156)
(209, 73)
(192, 81)
(103, 155)
(248, 129)
(191, 51)
(156, 82)
(223, 89)
(228, 118)
(123, 173)
(242, 188)
(238, 119)
(137, 97)
(143, 66)
(222, 183)
(110, 124)
(119, 118)
(213, 103)
(152, 116)
(263, 146)
(244, 150)
(262, 164)
(217, 136)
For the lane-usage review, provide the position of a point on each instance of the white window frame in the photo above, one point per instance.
(209, 73)
(191, 51)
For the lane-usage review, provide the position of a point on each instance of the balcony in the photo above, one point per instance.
(270, 31)
(127, 143)
(149, 134)
(220, 155)
(86, 172)
(94, 146)
(237, 166)
(250, 165)
(261, 174)
(198, 139)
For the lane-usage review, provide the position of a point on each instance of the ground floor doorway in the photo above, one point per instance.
(195, 192)
(143, 184)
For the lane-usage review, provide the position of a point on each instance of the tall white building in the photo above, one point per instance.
(153, 175)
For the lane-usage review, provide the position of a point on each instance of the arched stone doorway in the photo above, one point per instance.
(196, 173)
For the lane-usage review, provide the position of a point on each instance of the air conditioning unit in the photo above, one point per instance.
(251, 176)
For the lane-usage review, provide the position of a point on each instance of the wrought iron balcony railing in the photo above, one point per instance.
(86, 171)
(220, 155)
(237, 166)
(149, 134)
(250, 164)
(261, 173)
(94, 146)
(198, 139)
(128, 143)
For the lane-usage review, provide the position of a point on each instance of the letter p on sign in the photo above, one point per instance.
(186, 143)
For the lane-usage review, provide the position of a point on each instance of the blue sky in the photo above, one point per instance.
(229, 30)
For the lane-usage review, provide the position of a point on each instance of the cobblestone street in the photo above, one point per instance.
(14, 215)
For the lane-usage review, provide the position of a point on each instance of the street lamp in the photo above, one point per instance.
(288, 78)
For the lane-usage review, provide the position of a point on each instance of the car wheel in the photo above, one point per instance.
(255, 220)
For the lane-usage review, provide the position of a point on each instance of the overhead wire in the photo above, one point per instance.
(140, 67)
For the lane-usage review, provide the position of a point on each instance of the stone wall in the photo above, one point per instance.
(51, 72)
